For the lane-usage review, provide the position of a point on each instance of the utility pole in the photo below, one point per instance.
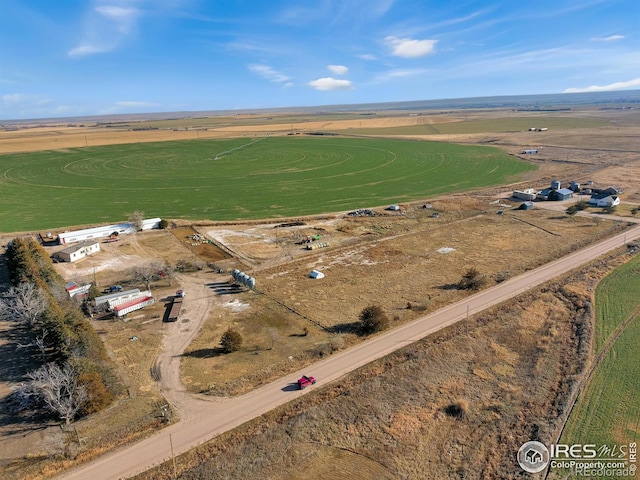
(173, 458)
(467, 322)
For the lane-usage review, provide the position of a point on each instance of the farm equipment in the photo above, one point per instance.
(309, 239)
(176, 307)
(305, 381)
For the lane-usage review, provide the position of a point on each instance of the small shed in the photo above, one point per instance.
(526, 206)
(529, 152)
(316, 274)
(393, 208)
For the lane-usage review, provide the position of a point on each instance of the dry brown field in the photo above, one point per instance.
(407, 264)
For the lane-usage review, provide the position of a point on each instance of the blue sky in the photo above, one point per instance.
(92, 57)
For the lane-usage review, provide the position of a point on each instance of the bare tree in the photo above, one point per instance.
(59, 390)
(24, 303)
(136, 218)
(148, 272)
(38, 342)
(169, 273)
(275, 336)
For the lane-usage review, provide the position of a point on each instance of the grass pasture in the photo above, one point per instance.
(244, 178)
(607, 410)
(617, 297)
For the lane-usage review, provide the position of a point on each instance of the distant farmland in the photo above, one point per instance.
(245, 178)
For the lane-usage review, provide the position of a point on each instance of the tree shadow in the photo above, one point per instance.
(449, 286)
(205, 353)
(350, 327)
(18, 361)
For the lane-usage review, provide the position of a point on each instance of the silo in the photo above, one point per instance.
(555, 185)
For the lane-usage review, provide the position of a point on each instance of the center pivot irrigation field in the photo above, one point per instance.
(244, 178)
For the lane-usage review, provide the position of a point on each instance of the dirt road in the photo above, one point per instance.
(198, 303)
(225, 414)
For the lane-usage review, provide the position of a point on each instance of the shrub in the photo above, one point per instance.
(472, 280)
(457, 409)
(372, 320)
(231, 341)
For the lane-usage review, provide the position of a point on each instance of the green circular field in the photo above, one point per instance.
(245, 178)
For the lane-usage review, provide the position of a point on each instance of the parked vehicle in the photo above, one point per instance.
(180, 293)
(112, 289)
(305, 381)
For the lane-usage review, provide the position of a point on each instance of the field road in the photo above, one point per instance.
(222, 415)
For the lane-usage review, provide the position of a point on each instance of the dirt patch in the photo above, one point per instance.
(201, 246)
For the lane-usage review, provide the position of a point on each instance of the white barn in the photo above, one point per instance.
(105, 230)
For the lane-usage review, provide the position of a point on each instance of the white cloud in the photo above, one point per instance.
(338, 69)
(367, 56)
(628, 85)
(137, 104)
(610, 38)
(410, 48)
(23, 105)
(83, 50)
(24, 100)
(328, 83)
(268, 72)
(105, 27)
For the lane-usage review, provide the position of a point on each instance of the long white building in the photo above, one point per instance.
(105, 230)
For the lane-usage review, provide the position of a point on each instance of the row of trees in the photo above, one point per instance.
(75, 376)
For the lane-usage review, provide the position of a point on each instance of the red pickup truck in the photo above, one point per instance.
(305, 381)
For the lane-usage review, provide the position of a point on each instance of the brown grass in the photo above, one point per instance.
(395, 410)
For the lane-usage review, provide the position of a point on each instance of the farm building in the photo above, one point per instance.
(74, 289)
(78, 252)
(526, 206)
(526, 194)
(105, 299)
(562, 194)
(604, 200)
(553, 194)
(134, 304)
(128, 303)
(105, 231)
(529, 152)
